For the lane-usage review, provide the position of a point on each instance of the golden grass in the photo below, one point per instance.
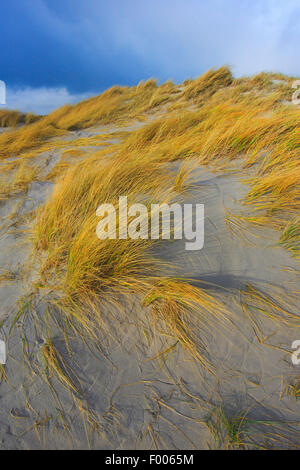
(87, 269)
(228, 433)
(206, 85)
(214, 119)
(290, 238)
(7, 275)
(256, 130)
(252, 128)
(10, 118)
(182, 178)
(66, 160)
(18, 180)
(241, 432)
(66, 227)
(118, 105)
(56, 366)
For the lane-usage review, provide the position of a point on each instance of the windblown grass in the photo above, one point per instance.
(290, 238)
(17, 181)
(87, 269)
(7, 275)
(10, 118)
(236, 125)
(56, 366)
(66, 160)
(214, 120)
(118, 105)
(241, 432)
(206, 85)
(246, 131)
(234, 120)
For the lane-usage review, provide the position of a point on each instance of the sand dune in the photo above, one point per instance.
(136, 387)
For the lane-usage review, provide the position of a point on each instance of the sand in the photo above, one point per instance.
(124, 398)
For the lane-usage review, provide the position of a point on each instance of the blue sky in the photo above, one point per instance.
(58, 51)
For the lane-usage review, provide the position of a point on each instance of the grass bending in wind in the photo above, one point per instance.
(86, 269)
(10, 118)
(118, 105)
(17, 180)
(241, 123)
(252, 132)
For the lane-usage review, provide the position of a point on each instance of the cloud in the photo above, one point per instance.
(40, 100)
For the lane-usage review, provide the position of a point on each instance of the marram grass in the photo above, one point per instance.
(215, 120)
